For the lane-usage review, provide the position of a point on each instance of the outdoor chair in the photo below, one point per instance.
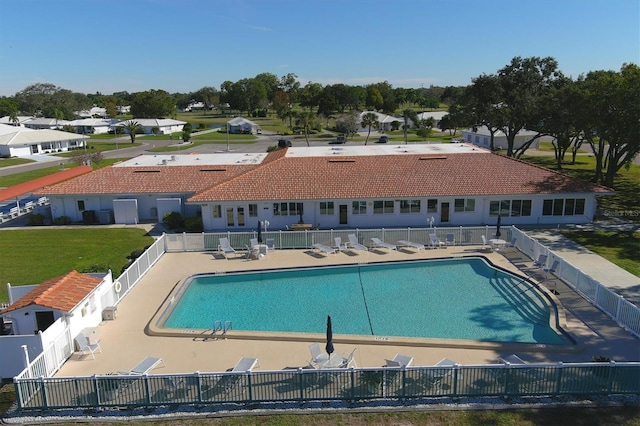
(339, 245)
(143, 367)
(407, 243)
(450, 239)
(354, 244)
(84, 348)
(435, 241)
(225, 247)
(377, 242)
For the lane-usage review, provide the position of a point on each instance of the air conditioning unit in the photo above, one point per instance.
(109, 313)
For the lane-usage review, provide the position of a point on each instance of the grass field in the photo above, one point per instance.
(37, 255)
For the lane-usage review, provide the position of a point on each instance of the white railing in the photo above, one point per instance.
(305, 239)
(625, 313)
(51, 358)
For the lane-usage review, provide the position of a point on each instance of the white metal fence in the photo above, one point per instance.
(625, 313)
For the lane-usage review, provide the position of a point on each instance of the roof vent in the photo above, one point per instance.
(439, 157)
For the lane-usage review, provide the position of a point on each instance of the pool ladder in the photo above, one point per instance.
(222, 326)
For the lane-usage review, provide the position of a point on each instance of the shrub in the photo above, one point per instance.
(62, 220)
(172, 220)
(36, 219)
(135, 254)
(193, 224)
(96, 268)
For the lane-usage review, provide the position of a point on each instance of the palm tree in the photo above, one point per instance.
(408, 114)
(13, 117)
(305, 120)
(59, 115)
(368, 120)
(132, 127)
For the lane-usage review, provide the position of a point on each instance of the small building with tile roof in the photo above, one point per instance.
(334, 187)
(73, 298)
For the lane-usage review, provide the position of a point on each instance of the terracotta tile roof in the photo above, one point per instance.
(300, 177)
(156, 179)
(61, 293)
(36, 184)
(402, 175)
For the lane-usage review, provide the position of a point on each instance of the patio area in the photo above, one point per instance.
(125, 341)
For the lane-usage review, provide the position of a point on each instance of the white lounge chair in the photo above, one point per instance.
(399, 361)
(315, 351)
(225, 247)
(143, 367)
(325, 249)
(340, 246)
(512, 359)
(348, 360)
(246, 364)
(450, 239)
(541, 262)
(253, 242)
(407, 243)
(377, 242)
(551, 269)
(354, 244)
(84, 348)
(485, 246)
(434, 377)
(271, 244)
(229, 382)
(434, 241)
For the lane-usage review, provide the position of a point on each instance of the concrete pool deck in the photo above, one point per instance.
(124, 341)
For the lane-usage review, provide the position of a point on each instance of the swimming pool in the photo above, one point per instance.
(443, 299)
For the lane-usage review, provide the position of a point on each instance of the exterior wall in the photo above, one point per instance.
(481, 215)
(150, 209)
(499, 141)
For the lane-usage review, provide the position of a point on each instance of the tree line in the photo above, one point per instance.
(601, 108)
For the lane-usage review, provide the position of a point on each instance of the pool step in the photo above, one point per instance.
(530, 305)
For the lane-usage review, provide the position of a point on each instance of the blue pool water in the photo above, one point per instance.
(451, 299)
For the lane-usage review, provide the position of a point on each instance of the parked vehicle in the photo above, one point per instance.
(341, 139)
(383, 139)
(284, 143)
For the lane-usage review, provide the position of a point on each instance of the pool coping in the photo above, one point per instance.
(557, 320)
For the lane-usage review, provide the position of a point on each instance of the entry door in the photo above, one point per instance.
(44, 319)
(343, 214)
(235, 216)
(444, 212)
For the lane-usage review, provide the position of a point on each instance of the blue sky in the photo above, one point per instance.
(105, 46)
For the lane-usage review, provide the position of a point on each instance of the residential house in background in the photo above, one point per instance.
(154, 126)
(45, 123)
(93, 126)
(481, 136)
(21, 141)
(242, 125)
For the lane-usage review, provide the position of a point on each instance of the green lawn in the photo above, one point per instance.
(620, 248)
(22, 177)
(13, 161)
(36, 255)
